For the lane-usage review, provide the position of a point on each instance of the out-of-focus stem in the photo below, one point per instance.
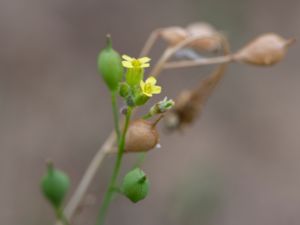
(198, 62)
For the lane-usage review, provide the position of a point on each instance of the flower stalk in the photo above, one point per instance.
(111, 188)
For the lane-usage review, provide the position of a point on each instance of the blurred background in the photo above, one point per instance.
(237, 165)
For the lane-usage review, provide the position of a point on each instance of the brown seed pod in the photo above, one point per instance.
(173, 35)
(209, 38)
(142, 136)
(268, 49)
(190, 103)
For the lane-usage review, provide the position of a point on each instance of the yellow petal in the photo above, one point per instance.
(148, 94)
(151, 80)
(144, 60)
(145, 65)
(156, 89)
(127, 64)
(127, 58)
(142, 84)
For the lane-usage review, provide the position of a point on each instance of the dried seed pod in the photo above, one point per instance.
(209, 38)
(142, 136)
(267, 49)
(190, 103)
(173, 35)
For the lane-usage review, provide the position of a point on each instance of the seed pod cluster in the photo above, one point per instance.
(209, 38)
(141, 136)
(268, 49)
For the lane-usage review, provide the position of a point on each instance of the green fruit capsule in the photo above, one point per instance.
(54, 185)
(135, 185)
(110, 66)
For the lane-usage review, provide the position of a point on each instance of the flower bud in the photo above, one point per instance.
(209, 38)
(141, 136)
(135, 185)
(54, 185)
(124, 90)
(267, 49)
(173, 35)
(110, 66)
(161, 106)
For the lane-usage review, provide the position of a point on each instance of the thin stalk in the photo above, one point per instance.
(116, 114)
(198, 62)
(111, 188)
(61, 216)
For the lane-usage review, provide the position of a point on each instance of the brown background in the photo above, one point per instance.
(238, 165)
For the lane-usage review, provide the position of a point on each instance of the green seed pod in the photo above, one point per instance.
(110, 66)
(135, 185)
(54, 185)
(140, 99)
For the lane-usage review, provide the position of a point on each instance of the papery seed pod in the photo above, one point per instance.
(267, 49)
(142, 136)
(190, 103)
(209, 38)
(110, 66)
(54, 185)
(135, 185)
(173, 35)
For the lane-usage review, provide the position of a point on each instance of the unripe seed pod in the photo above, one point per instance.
(141, 136)
(54, 185)
(267, 49)
(110, 66)
(135, 185)
(140, 99)
(173, 35)
(209, 38)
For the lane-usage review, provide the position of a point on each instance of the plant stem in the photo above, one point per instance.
(140, 159)
(111, 188)
(199, 62)
(61, 216)
(116, 114)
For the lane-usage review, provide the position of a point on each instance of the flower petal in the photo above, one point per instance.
(127, 58)
(142, 84)
(144, 60)
(145, 65)
(156, 89)
(127, 64)
(151, 80)
(148, 94)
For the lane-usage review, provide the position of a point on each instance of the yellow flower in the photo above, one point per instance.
(135, 63)
(149, 88)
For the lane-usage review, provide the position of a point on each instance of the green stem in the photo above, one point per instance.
(61, 216)
(140, 160)
(116, 114)
(110, 191)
